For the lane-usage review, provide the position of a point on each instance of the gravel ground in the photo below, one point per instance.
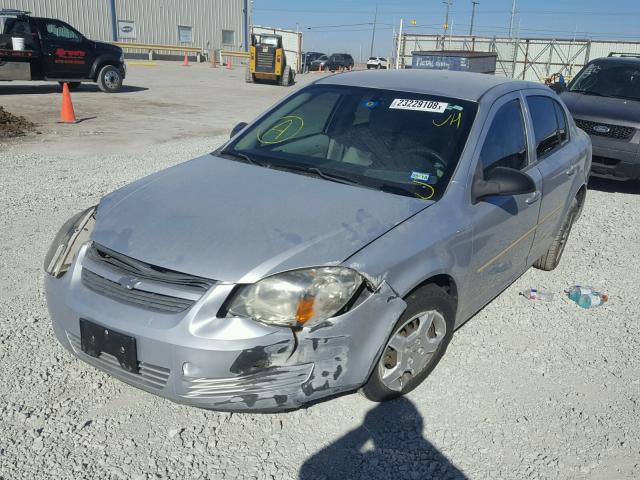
(526, 390)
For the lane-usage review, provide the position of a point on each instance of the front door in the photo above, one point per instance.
(503, 226)
(557, 160)
(66, 53)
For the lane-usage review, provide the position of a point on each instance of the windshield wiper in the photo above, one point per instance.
(243, 156)
(590, 92)
(316, 171)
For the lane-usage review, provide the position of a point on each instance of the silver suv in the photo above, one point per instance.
(333, 244)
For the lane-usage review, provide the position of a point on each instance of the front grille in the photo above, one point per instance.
(140, 298)
(614, 131)
(131, 281)
(265, 62)
(273, 381)
(129, 266)
(149, 375)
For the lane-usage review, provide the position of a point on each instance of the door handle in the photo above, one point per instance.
(571, 170)
(535, 196)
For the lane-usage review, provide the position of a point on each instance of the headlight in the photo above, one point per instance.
(299, 297)
(67, 242)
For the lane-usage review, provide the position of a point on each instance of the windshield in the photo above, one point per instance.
(268, 40)
(609, 79)
(404, 143)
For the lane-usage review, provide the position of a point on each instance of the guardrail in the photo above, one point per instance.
(152, 48)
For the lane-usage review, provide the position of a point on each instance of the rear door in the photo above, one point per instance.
(65, 52)
(503, 226)
(557, 160)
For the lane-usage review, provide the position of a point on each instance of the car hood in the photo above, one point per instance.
(605, 109)
(236, 223)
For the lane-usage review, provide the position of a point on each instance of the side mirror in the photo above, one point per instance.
(558, 87)
(237, 128)
(502, 182)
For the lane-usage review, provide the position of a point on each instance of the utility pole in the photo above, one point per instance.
(373, 34)
(398, 46)
(513, 15)
(446, 21)
(473, 16)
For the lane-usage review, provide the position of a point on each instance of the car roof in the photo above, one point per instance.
(463, 85)
(632, 60)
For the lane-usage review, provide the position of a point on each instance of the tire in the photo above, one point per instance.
(430, 313)
(286, 77)
(551, 259)
(248, 76)
(368, 67)
(109, 79)
(72, 85)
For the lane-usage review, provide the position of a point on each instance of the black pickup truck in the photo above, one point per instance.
(34, 48)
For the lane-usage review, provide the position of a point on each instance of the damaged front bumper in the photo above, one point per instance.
(231, 364)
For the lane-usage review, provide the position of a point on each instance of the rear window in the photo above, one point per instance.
(401, 142)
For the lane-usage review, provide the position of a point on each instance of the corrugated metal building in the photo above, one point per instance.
(209, 24)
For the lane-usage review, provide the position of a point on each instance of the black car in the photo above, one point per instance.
(309, 57)
(35, 48)
(338, 61)
(604, 99)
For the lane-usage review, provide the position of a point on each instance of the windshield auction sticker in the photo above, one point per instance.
(420, 105)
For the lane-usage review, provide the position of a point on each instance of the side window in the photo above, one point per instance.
(21, 27)
(60, 31)
(545, 124)
(562, 122)
(505, 144)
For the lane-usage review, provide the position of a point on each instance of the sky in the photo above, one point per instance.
(346, 25)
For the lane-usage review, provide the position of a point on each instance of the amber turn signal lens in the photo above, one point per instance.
(305, 309)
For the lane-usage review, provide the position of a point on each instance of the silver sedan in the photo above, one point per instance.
(333, 244)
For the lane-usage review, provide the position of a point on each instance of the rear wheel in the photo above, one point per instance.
(416, 345)
(551, 259)
(109, 79)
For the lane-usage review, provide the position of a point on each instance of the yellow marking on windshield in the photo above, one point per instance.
(422, 184)
(285, 129)
(452, 119)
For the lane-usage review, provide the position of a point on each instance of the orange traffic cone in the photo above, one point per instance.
(186, 60)
(67, 114)
(229, 66)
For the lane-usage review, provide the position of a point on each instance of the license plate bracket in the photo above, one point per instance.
(96, 339)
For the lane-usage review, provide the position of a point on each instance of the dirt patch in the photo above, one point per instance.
(14, 125)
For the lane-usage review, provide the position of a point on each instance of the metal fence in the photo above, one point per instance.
(524, 58)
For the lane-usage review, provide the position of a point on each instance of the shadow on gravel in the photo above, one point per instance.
(614, 186)
(55, 88)
(389, 444)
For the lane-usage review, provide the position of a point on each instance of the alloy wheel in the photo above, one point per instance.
(410, 349)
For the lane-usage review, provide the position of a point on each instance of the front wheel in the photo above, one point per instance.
(416, 345)
(109, 79)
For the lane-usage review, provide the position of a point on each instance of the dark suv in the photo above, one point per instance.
(338, 61)
(604, 99)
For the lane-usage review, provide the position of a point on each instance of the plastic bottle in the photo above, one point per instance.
(535, 294)
(575, 292)
(592, 299)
